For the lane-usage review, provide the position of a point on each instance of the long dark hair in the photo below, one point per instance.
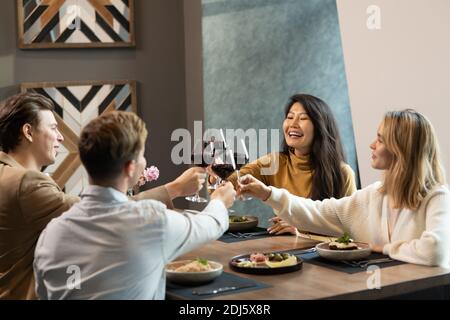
(326, 154)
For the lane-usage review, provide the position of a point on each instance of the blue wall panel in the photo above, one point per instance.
(257, 53)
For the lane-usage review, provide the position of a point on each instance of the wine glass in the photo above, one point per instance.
(223, 167)
(241, 160)
(199, 158)
(219, 148)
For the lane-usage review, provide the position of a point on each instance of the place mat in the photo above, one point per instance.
(314, 258)
(230, 237)
(225, 280)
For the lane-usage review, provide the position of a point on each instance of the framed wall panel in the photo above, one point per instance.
(76, 103)
(75, 23)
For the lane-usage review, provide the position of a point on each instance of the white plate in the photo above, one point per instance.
(192, 277)
(362, 252)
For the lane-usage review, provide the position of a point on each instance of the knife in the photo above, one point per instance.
(223, 289)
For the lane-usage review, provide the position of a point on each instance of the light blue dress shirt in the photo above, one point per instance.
(109, 247)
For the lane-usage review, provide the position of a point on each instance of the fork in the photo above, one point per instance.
(234, 235)
(239, 235)
(303, 251)
(223, 289)
(365, 263)
(375, 261)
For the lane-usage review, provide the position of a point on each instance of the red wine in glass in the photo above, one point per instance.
(223, 170)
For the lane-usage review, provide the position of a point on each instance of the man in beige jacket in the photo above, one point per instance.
(29, 199)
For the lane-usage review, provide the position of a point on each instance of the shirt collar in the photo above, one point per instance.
(9, 161)
(106, 194)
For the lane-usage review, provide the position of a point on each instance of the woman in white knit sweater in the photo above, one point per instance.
(406, 216)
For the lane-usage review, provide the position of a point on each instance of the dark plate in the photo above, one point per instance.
(265, 270)
(251, 223)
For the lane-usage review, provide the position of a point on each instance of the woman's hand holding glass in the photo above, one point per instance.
(249, 186)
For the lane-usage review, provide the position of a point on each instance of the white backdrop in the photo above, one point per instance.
(404, 64)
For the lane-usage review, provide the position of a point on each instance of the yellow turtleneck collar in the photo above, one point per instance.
(300, 162)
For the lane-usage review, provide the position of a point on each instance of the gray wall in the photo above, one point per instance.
(158, 64)
(257, 53)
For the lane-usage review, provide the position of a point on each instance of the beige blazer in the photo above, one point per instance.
(28, 201)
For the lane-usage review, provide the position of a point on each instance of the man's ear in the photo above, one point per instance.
(130, 168)
(27, 131)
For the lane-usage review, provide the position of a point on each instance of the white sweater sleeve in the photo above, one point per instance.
(432, 248)
(330, 216)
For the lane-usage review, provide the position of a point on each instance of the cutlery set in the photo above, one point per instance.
(247, 234)
(303, 251)
(366, 263)
(222, 289)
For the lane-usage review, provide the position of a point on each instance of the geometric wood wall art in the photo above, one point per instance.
(75, 23)
(77, 103)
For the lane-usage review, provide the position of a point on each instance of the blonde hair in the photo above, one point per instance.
(109, 141)
(416, 166)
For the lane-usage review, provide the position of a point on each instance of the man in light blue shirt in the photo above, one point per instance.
(107, 247)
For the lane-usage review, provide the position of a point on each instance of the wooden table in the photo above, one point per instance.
(315, 282)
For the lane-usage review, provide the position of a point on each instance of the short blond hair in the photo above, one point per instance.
(416, 167)
(109, 141)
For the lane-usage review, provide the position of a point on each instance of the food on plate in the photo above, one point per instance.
(258, 257)
(278, 257)
(343, 243)
(289, 261)
(198, 265)
(271, 260)
(237, 219)
(247, 264)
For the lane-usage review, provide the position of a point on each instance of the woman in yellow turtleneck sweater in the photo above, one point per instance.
(311, 164)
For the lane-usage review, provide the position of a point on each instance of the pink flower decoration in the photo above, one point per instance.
(149, 174)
